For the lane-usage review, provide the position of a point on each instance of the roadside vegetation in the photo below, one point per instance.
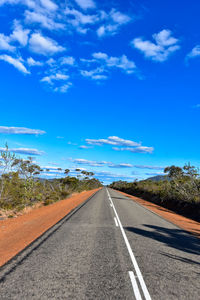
(22, 183)
(179, 190)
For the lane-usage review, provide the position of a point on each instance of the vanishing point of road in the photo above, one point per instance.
(110, 248)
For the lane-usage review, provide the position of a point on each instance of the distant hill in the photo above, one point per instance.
(158, 178)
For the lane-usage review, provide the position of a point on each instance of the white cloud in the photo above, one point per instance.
(19, 34)
(155, 174)
(101, 31)
(63, 88)
(85, 4)
(82, 161)
(165, 44)
(20, 130)
(32, 63)
(25, 151)
(99, 77)
(16, 62)
(106, 63)
(2, 2)
(51, 167)
(79, 20)
(48, 4)
(140, 149)
(194, 53)
(51, 62)
(114, 20)
(118, 17)
(149, 167)
(44, 20)
(5, 43)
(43, 45)
(95, 74)
(122, 62)
(68, 60)
(60, 137)
(108, 176)
(84, 147)
(112, 140)
(71, 143)
(57, 77)
(27, 31)
(123, 165)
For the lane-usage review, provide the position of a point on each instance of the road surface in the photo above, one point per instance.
(111, 248)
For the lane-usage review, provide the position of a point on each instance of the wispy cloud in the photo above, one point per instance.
(149, 167)
(67, 60)
(42, 19)
(140, 149)
(25, 151)
(194, 53)
(5, 43)
(33, 63)
(81, 161)
(15, 62)
(109, 176)
(63, 88)
(20, 130)
(155, 173)
(121, 62)
(122, 165)
(57, 77)
(112, 140)
(52, 168)
(19, 34)
(113, 21)
(80, 21)
(39, 27)
(95, 74)
(101, 65)
(160, 50)
(84, 147)
(53, 79)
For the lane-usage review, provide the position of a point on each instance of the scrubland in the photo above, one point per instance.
(179, 190)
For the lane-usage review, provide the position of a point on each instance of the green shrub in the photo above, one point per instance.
(180, 193)
(20, 186)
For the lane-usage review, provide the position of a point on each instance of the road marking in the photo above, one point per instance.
(136, 267)
(135, 286)
(111, 204)
(116, 222)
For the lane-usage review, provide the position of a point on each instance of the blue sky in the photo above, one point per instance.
(120, 78)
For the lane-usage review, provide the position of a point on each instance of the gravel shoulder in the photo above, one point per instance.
(18, 233)
(182, 222)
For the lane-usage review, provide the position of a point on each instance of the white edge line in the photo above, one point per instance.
(137, 269)
(135, 286)
(116, 222)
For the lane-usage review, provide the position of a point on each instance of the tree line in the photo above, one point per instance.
(22, 183)
(178, 190)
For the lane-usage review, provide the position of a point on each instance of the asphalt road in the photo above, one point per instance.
(111, 248)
